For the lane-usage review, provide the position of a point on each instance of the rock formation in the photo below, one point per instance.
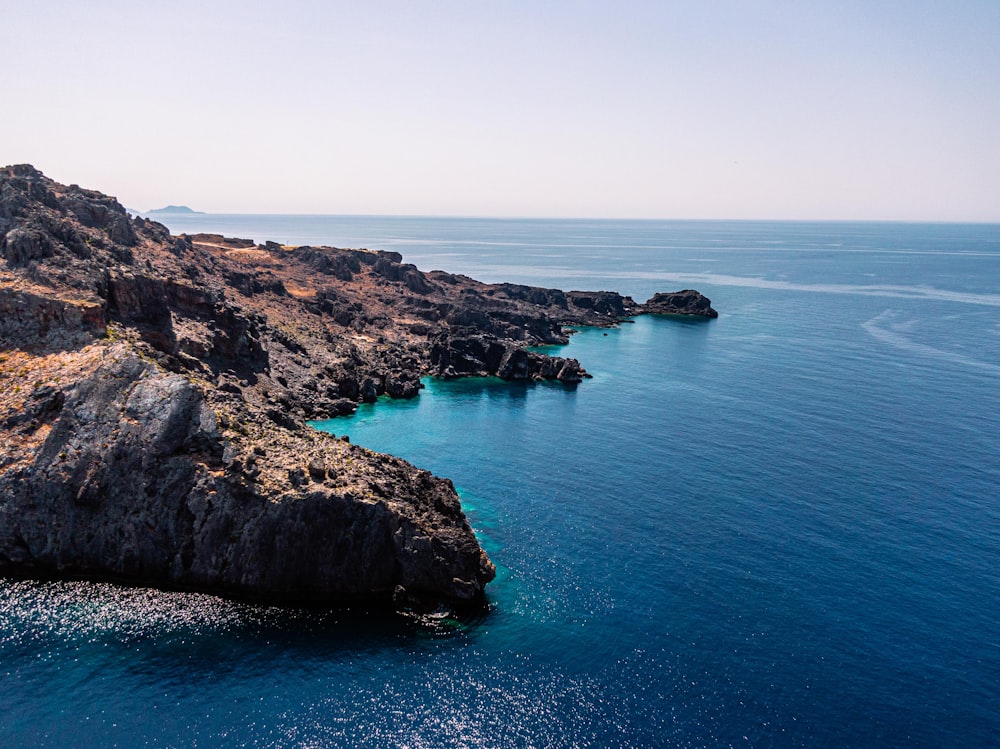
(154, 393)
(687, 302)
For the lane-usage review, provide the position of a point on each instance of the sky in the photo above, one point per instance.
(718, 109)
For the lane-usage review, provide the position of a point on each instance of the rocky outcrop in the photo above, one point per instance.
(155, 392)
(465, 354)
(688, 302)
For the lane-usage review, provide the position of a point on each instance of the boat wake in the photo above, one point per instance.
(883, 328)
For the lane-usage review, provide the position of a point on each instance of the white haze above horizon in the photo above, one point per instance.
(770, 109)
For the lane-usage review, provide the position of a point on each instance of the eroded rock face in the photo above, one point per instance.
(154, 392)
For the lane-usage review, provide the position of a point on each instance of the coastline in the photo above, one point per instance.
(183, 370)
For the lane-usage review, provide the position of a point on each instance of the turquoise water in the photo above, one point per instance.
(778, 528)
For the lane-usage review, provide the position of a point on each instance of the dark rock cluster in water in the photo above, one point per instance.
(154, 394)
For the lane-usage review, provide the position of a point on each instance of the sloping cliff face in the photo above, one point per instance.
(120, 468)
(154, 392)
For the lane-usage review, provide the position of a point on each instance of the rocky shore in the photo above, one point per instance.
(154, 394)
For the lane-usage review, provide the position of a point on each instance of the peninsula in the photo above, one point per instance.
(155, 392)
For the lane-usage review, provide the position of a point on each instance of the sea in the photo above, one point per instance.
(779, 528)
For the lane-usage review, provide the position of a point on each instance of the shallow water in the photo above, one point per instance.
(778, 528)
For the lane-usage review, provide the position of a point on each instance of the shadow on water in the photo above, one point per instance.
(157, 627)
(460, 390)
(687, 336)
(288, 641)
(494, 387)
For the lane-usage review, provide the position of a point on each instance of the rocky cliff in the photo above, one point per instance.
(154, 392)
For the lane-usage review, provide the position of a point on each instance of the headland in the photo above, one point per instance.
(155, 392)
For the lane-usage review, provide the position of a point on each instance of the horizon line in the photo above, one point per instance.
(194, 213)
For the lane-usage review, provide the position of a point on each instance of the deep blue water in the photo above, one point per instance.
(778, 528)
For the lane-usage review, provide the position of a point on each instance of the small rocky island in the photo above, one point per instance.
(155, 392)
(174, 209)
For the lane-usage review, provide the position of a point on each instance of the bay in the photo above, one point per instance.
(778, 528)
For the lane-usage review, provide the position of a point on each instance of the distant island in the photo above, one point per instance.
(174, 209)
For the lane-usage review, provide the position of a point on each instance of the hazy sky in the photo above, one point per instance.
(750, 109)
